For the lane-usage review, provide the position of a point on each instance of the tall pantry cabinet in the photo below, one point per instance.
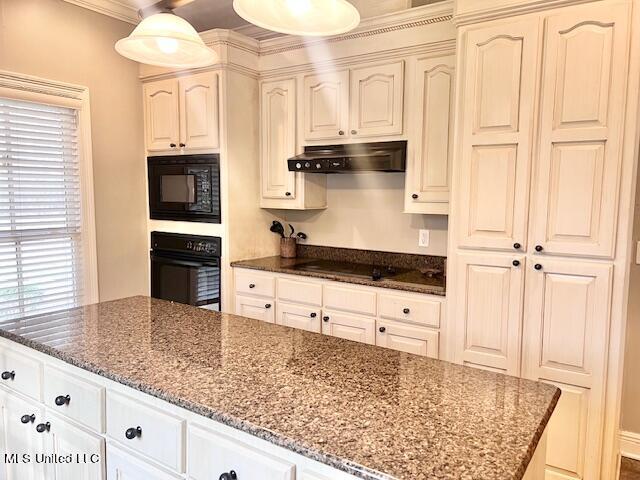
(541, 114)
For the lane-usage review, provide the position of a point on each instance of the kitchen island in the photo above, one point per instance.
(365, 411)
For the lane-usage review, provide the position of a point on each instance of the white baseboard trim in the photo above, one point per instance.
(630, 445)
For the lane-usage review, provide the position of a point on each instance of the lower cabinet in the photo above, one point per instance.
(407, 338)
(349, 326)
(124, 466)
(256, 308)
(299, 316)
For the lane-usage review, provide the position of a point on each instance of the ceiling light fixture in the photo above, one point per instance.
(300, 17)
(166, 40)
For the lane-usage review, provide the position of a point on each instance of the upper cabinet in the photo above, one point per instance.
(181, 114)
(326, 105)
(430, 136)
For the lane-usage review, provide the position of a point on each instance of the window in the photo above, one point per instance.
(41, 227)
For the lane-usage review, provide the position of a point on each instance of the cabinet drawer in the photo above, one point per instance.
(24, 373)
(161, 435)
(257, 284)
(79, 399)
(349, 327)
(408, 338)
(256, 308)
(299, 316)
(295, 291)
(341, 297)
(121, 465)
(211, 454)
(410, 309)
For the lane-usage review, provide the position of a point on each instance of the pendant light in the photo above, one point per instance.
(166, 40)
(300, 17)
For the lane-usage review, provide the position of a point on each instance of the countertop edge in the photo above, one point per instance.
(404, 287)
(338, 463)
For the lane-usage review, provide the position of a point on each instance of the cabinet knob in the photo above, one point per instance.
(232, 475)
(539, 248)
(252, 285)
(182, 145)
(517, 246)
(382, 329)
(354, 132)
(537, 266)
(28, 418)
(132, 433)
(516, 263)
(62, 400)
(313, 315)
(414, 196)
(8, 375)
(43, 427)
(172, 145)
(405, 311)
(267, 305)
(341, 132)
(326, 319)
(288, 194)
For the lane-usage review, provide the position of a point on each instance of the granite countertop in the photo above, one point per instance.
(411, 281)
(369, 411)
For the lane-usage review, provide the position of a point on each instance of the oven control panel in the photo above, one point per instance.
(201, 246)
(186, 244)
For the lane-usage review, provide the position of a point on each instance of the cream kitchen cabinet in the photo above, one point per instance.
(122, 465)
(256, 308)
(181, 114)
(299, 316)
(407, 338)
(357, 328)
(428, 176)
(325, 105)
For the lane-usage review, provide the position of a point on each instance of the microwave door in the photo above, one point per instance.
(179, 189)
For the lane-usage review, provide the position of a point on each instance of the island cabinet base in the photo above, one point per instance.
(113, 432)
(537, 466)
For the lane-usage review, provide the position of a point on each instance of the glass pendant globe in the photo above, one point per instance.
(166, 40)
(300, 17)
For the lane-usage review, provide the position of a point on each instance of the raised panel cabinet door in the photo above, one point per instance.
(124, 466)
(581, 130)
(161, 106)
(377, 94)
(407, 338)
(199, 125)
(429, 170)
(278, 138)
(256, 308)
(325, 107)
(496, 128)
(348, 326)
(566, 336)
(490, 289)
(298, 316)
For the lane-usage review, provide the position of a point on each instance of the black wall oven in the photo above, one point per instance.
(186, 269)
(185, 187)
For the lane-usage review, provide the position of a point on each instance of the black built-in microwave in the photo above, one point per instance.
(185, 187)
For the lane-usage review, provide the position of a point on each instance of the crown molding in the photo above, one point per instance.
(112, 8)
(28, 83)
(231, 38)
(504, 8)
(254, 31)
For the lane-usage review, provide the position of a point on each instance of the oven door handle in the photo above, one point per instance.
(184, 263)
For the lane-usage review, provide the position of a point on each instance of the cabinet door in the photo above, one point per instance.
(350, 327)
(199, 126)
(161, 115)
(278, 138)
(407, 338)
(377, 94)
(257, 308)
(496, 123)
(326, 105)
(86, 449)
(123, 466)
(581, 130)
(298, 316)
(489, 311)
(566, 331)
(21, 441)
(429, 170)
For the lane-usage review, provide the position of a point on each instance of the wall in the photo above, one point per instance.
(631, 384)
(365, 211)
(56, 40)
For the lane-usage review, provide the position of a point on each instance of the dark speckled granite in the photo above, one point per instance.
(369, 411)
(410, 281)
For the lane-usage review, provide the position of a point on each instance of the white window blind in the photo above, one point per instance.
(40, 209)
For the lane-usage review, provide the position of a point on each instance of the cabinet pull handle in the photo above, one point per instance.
(252, 285)
(406, 311)
(43, 427)
(539, 248)
(132, 433)
(183, 145)
(62, 400)
(340, 132)
(172, 145)
(414, 196)
(9, 375)
(382, 329)
(537, 266)
(267, 305)
(326, 319)
(516, 263)
(232, 475)
(288, 194)
(28, 418)
(354, 132)
(313, 315)
(517, 246)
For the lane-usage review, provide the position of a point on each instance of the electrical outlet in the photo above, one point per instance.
(423, 238)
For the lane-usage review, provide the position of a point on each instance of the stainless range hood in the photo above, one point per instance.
(355, 157)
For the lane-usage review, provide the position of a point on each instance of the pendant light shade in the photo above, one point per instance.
(300, 17)
(166, 40)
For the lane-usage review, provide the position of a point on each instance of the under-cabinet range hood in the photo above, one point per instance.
(355, 157)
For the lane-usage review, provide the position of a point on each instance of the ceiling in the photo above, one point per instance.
(209, 14)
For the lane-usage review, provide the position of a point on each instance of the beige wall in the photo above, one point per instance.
(56, 40)
(631, 384)
(365, 211)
